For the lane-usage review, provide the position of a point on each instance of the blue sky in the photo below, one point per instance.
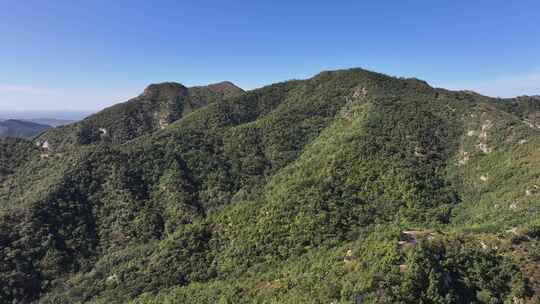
(90, 54)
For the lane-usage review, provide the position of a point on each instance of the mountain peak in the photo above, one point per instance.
(167, 90)
(224, 84)
(226, 88)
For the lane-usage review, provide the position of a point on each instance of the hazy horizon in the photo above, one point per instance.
(51, 114)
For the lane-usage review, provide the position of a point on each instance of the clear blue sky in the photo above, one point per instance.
(90, 54)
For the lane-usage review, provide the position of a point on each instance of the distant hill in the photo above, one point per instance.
(30, 115)
(19, 128)
(53, 122)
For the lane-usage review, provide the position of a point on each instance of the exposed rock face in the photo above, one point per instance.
(165, 90)
(485, 127)
(464, 157)
(45, 145)
(484, 148)
(533, 191)
(171, 100)
(348, 256)
(403, 268)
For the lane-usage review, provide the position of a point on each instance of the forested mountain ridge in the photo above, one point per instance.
(349, 186)
(158, 106)
(527, 107)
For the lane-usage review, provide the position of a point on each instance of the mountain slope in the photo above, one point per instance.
(299, 192)
(15, 153)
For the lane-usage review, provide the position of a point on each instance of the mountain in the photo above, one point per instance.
(348, 187)
(53, 122)
(157, 107)
(19, 128)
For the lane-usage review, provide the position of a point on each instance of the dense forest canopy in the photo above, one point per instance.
(348, 187)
